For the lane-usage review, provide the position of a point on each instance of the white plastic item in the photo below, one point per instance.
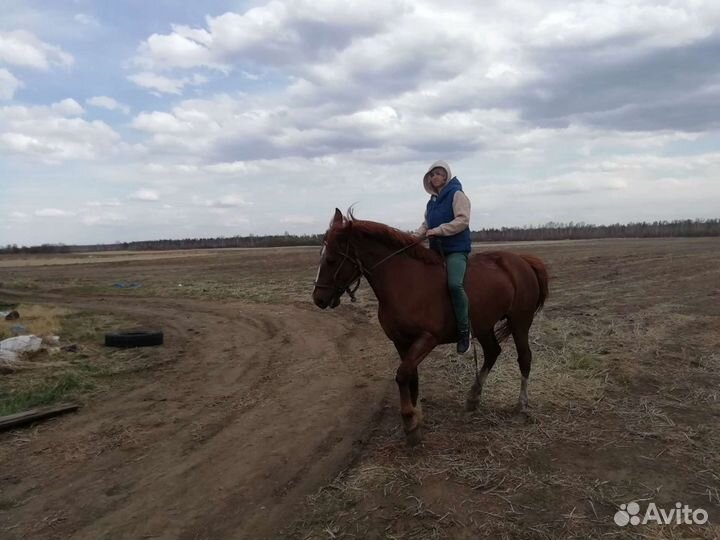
(21, 344)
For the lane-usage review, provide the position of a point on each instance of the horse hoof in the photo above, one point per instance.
(414, 437)
(471, 404)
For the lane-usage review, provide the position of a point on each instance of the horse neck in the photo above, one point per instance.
(381, 278)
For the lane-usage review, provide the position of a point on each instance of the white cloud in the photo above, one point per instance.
(160, 122)
(166, 85)
(67, 107)
(85, 19)
(53, 212)
(55, 133)
(230, 168)
(8, 84)
(107, 218)
(226, 201)
(23, 48)
(103, 203)
(148, 195)
(296, 219)
(599, 111)
(108, 103)
(273, 34)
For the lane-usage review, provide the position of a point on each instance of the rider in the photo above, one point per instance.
(447, 225)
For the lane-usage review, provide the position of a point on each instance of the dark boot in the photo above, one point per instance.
(464, 342)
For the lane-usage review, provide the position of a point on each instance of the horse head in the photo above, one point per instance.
(339, 267)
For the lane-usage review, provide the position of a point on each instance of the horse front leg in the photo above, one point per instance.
(408, 385)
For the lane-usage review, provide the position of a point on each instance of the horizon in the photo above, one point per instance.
(547, 226)
(123, 121)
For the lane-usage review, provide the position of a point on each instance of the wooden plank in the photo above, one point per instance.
(33, 415)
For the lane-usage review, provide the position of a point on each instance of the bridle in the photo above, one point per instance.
(355, 280)
(353, 284)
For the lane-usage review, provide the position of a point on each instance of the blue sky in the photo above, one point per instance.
(141, 120)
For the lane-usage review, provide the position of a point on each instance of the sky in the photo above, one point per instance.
(137, 120)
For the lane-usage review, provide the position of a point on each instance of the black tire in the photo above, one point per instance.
(134, 338)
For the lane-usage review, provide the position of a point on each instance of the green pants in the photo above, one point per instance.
(456, 264)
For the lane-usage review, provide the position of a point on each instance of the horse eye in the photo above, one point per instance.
(330, 260)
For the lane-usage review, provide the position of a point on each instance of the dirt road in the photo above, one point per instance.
(255, 406)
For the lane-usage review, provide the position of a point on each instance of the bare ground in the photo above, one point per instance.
(264, 417)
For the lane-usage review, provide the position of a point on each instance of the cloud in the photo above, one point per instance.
(296, 219)
(53, 212)
(147, 195)
(275, 34)
(166, 85)
(54, 133)
(654, 88)
(226, 201)
(22, 48)
(8, 84)
(67, 107)
(103, 203)
(107, 218)
(572, 184)
(598, 111)
(108, 103)
(85, 19)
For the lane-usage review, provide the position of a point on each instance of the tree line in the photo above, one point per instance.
(549, 231)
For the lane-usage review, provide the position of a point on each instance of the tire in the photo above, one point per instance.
(134, 338)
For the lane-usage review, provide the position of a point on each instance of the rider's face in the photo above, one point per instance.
(438, 177)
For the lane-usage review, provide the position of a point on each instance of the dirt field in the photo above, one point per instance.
(263, 416)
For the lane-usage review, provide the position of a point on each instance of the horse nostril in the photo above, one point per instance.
(320, 303)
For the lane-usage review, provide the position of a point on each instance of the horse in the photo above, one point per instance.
(505, 290)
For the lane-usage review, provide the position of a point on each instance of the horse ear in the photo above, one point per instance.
(338, 217)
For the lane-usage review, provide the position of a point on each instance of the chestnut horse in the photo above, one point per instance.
(414, 306)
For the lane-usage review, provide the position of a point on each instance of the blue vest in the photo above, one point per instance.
(439, 210)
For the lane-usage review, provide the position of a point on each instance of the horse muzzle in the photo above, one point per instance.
(332, 303)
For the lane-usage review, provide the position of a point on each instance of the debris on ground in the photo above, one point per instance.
(52, 341)
(34, 415)
(21, 344)
(10, 315)
(18, 330)
(134, 338)
(121, 285)
(12, 348)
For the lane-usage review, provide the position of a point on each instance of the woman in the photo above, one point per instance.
(447, 225)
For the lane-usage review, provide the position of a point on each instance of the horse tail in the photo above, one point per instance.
(541, 274)
(502, 330)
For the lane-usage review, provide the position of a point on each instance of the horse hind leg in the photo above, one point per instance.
(520, 333)
(491, 351)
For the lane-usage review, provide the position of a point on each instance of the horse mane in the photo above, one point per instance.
(389, 236)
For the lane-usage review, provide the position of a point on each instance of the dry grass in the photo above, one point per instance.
(53, 375)
(38, 320)
(621, 401)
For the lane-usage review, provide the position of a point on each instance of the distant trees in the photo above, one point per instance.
(577, 231)
(549, 231)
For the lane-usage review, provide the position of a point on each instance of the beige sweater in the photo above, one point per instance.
(461, 209)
